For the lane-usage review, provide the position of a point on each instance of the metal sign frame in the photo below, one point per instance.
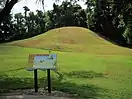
(31, 68)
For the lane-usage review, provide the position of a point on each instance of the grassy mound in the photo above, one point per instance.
(71, 39)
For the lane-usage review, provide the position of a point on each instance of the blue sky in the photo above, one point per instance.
(33, 6)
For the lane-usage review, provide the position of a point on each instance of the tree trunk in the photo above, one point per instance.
(7, 9)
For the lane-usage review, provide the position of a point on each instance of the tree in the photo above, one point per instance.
(40, 20)
(67, 14)
(128, 28)
(90, 12)
(32, 23)
(128, 34)
(7, 9)
(26, 9)
(6, 29)
(107, 18)
(19, 26)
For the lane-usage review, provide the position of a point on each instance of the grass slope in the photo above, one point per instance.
(102, 73)
(72, 39)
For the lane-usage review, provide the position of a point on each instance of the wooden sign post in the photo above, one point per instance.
(36, 80)
(42, 62)
(49, 80)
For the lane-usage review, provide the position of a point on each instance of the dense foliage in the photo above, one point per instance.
(29, 23)
(110, 18)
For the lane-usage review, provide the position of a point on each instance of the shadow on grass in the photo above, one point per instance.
(85, 74)
(7, 83)
(82, 91)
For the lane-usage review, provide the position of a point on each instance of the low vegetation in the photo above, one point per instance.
(97, 74)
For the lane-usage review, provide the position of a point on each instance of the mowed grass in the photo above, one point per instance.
(91, 74)
(75, 39)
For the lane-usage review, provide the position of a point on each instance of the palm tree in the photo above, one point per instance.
(19, 26)
(26, 9)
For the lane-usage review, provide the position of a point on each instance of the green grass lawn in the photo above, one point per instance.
(93, 74)
(88, 75)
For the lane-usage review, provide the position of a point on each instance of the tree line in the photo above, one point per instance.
(110, 18)
(28, 24)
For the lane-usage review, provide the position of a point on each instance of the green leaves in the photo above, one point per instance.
(67, 14)
(128, 33)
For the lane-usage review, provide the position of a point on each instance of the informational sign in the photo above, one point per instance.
(43, 61)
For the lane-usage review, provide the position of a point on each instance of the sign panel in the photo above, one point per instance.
(43, 61)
